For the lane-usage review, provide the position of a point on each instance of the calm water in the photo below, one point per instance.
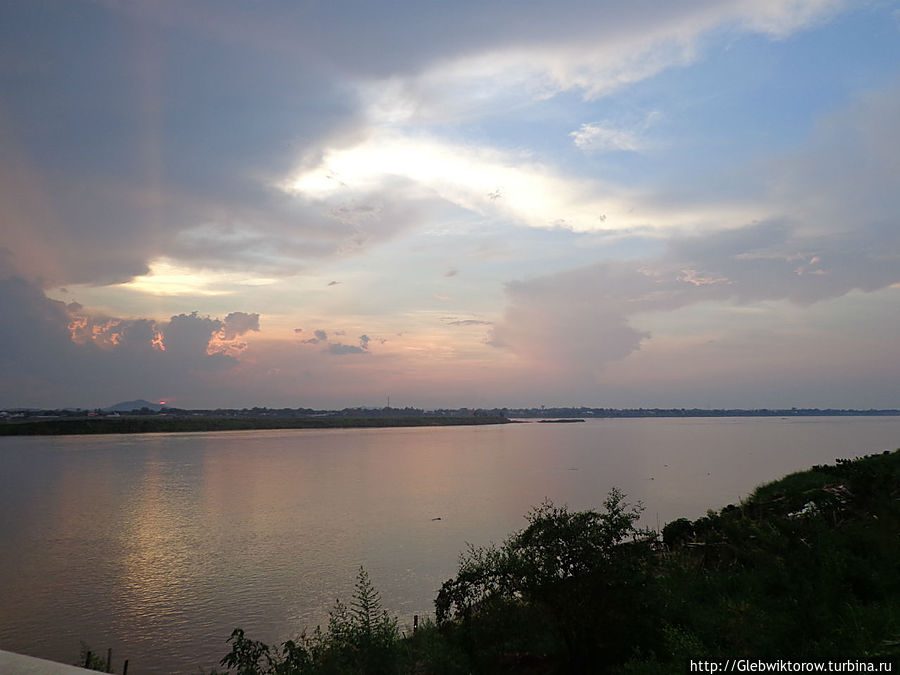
(158, 545)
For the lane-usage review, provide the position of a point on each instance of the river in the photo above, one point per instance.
(157, 545)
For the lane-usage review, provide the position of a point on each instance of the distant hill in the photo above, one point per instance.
(128, 406)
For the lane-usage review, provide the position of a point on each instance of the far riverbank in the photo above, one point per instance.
(160, 424)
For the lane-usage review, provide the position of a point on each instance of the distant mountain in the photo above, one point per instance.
(128, 406)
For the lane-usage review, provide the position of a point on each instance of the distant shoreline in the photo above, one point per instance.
(631, 413)
(175, 423)
(566, 420)
(159, 424)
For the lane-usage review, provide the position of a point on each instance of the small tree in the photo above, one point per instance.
(359, 639)
(569, 582)
(92, 661)
(248, 656)
(374, 628)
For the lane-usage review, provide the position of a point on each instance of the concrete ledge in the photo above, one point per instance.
(19, 664)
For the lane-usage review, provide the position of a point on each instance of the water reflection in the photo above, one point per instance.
(158, 545)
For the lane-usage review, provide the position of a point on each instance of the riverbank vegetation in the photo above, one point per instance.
(807, 567)
(163, 424)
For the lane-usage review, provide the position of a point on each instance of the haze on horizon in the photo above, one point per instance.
(454, 204)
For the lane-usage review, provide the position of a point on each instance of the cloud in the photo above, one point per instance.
(832, 229)
(235, 325)
(238, 323)
(538, 52)
(54, 354)
(320, 336)
(433, 36)
(186, 338)
(400, 153)
(121, 181)
(340, 349)
(429, 171)
(846, 176)
(310, 142)
(599, 138)
(166, 278)
(577, 319)
(582, 319)
(33, 329)
(105, 177)
(467, 322)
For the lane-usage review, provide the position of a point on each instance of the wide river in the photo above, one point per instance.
(158, 545)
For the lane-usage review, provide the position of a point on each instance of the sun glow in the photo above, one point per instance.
(492, 183)
(168, 278)
(479, 179)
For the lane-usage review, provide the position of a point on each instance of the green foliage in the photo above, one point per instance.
(248, 656)
(432, 651)
(359, 639)
(565, 590)
(557, 546)
(678, 532)
(91, 660)
(808, 567)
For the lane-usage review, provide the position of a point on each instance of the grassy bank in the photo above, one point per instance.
(159, 424)
(806, 568)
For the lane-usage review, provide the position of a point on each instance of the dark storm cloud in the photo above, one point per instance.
(377, 40)
(33, 328)
(56, 355)
(134, 131)
(141, 148)
(239, 323)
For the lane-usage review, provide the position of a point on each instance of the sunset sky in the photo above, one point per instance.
(480, 204)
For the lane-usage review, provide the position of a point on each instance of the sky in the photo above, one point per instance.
(451, 204)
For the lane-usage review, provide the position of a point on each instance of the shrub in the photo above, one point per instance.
(359, 639)
(567, 588)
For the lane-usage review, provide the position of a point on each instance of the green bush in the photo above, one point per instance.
(568, 589)
(92, 661)
(359, 639)
(808, 567)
